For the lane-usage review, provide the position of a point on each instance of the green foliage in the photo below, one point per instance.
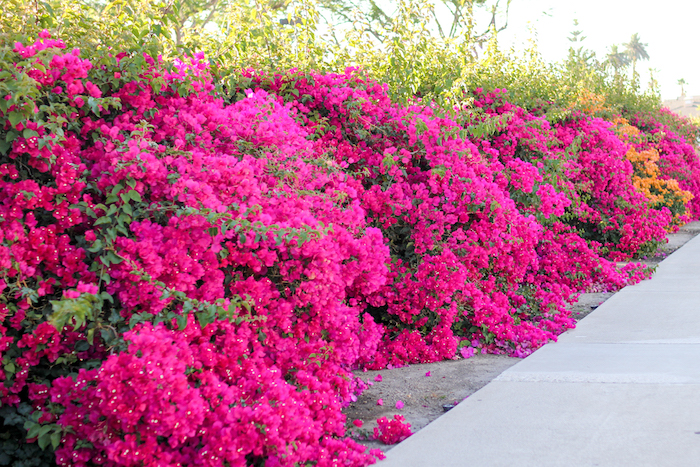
(409, 50)
(120, 25)
(14, 450)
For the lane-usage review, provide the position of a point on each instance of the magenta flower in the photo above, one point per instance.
(392, 431)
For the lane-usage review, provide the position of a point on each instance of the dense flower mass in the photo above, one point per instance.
(392, 431)
(187, 280)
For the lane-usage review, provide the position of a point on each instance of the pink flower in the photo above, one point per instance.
(71, 294)
(467, 352)
(87, 288)
(358, 423)
(392, 431)
(399, 405)
(378, 378)
(93, 90)
(427, 373)
(380, 401)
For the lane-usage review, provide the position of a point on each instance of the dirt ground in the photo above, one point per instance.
(428, 390)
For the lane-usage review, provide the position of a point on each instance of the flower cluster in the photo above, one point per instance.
(647, 179)
(193, 389)
(677, 157)
(392, 431)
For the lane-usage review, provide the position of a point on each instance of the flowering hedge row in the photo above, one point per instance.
(189, 281)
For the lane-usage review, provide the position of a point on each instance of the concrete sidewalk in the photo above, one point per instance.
(622, 389)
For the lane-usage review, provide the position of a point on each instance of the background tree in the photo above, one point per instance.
(581, 55)
(682, 83)
(413, 58)
(636, 50)
(617, 59)
(376, 18)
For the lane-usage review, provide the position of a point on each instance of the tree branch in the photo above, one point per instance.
(211, 5)
(442, 34)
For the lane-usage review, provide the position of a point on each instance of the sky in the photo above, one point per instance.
(669, 27)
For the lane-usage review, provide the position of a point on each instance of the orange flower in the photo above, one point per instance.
(660, 192)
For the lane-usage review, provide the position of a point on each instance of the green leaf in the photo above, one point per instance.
(181, 322)
(55, 439)
(27, 133)
(44, 441)
(15, 117)
(124, 219)
(116, 189)
(33, 429)
(10, 367)
(113, 258)
(133, 194)
(44, 430)
(94, 105)
(96, 246)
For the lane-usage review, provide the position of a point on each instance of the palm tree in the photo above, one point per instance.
(636, 51)
(682, 83)
(617, 59)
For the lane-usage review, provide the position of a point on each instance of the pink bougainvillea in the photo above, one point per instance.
(392, 431)
(489, 236)
(186, 386)
(189, 280)
(174, 217)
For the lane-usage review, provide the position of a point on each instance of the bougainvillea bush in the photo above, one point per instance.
(677, 153)
(582, 158)
(491, 235)
(188, 280)
(182, 281)
(661, 190)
